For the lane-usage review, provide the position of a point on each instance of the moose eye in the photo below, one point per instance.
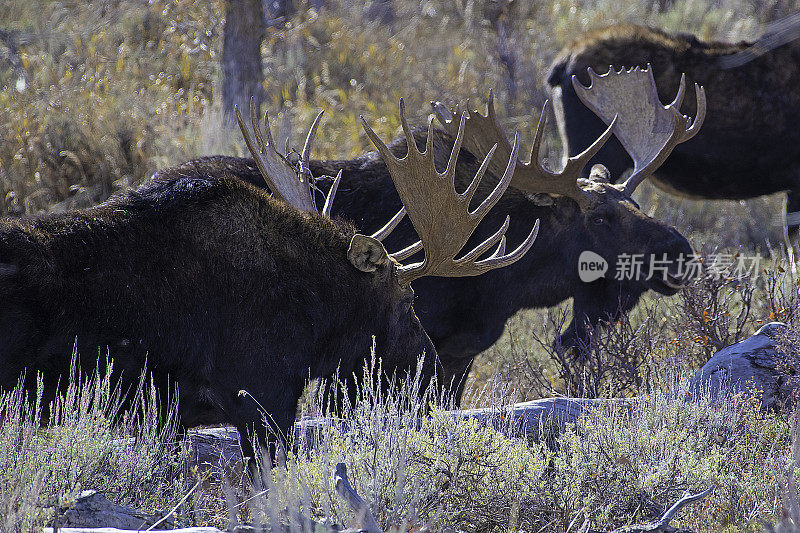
(599, 219)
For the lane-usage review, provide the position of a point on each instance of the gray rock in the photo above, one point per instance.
(92, 509)
(767, 363)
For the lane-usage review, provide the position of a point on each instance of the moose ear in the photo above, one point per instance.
(367, 253)
(600, 173)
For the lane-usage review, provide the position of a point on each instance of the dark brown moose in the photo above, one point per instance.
(464, 316)
(215, 286)
(750, 143)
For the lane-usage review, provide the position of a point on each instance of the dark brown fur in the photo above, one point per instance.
(749, 144)
(210, 283)
(464, 316)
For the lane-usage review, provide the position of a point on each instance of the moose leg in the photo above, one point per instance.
(267, 441)
(264, 420)
(456, 377)
(256, 440)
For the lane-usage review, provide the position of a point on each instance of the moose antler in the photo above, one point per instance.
(531, 177)
(647, 129)
(440, 215)
(286, 182)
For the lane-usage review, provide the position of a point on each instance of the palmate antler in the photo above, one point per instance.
(646, 129)
(440, 215)
(290, 184)
(531, 177)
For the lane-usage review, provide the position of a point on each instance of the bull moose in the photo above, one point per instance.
(216, 286)
(749, 143)
(464, 316)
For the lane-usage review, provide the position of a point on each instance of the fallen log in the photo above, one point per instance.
(364, 517)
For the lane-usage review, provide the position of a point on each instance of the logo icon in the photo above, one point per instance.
(591, 266)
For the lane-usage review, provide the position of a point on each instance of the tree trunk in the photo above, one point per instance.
(241, 57)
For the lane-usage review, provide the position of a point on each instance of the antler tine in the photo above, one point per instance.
(676, 103)
(279, 174)
(249, 141)
(537, 179)
(647, 129)
(326, 209)
(482, 131)
(700, 117)
(305, 170)
(407, 252)
(498, 236)
(440, 215)
(501, 259)
(389, 227)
